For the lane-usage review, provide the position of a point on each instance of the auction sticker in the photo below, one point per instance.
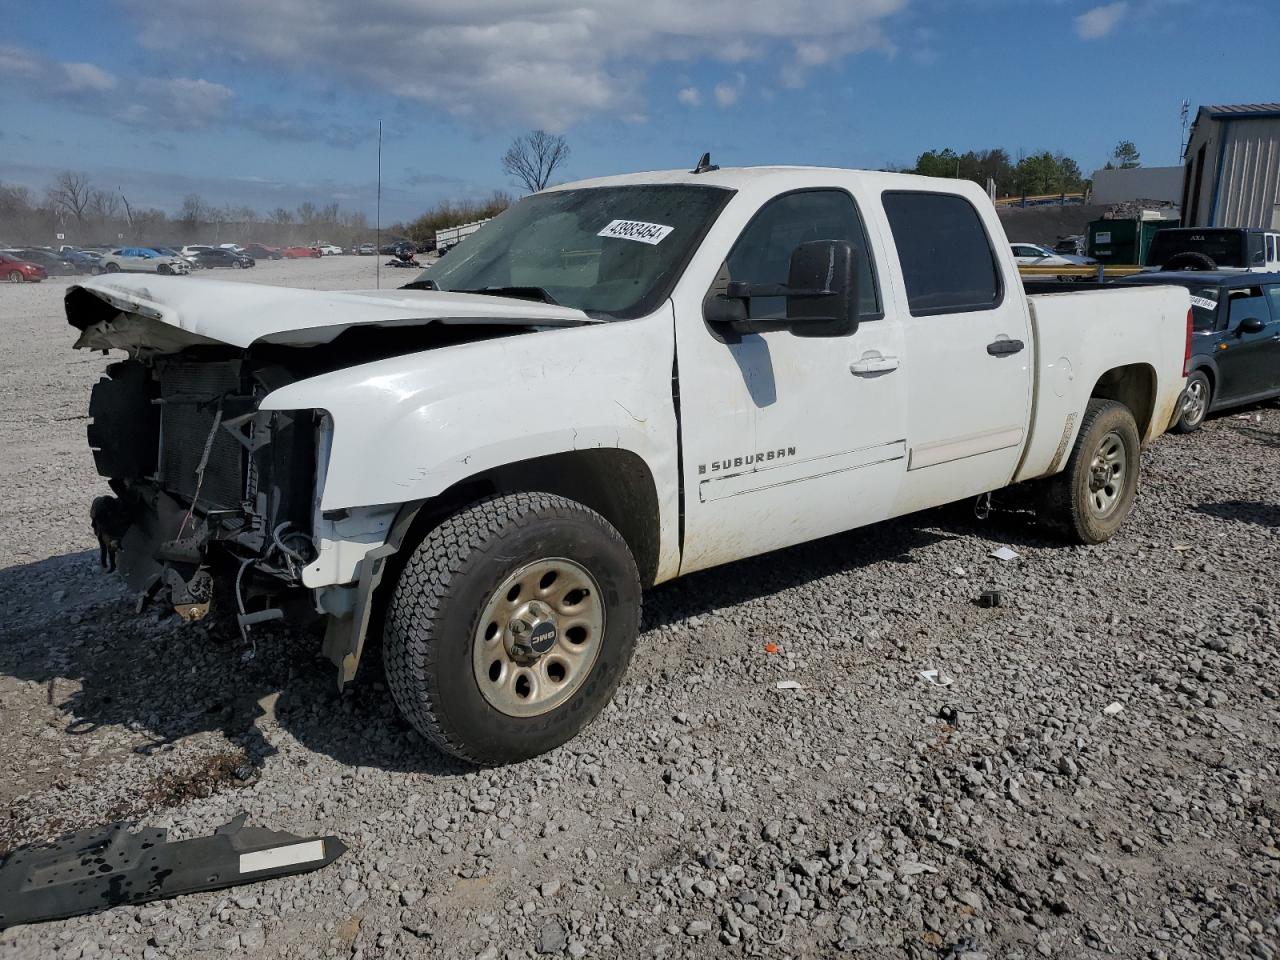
(650, 233)
(1204, 303)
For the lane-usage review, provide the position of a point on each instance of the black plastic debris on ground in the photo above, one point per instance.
(104, 867)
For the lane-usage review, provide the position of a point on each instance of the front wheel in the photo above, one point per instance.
(511, 626)
(1195, 403)
(112, 268)
(237, 265)
(1093, 495)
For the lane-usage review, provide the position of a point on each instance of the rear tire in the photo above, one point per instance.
(475, 597)
(16, 276)
(112, 268)
(1198, 396)
(1090, 499)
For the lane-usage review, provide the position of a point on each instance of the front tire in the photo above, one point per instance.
(1196, 399)
(112, 268)
(1093, 495)
(510, 626)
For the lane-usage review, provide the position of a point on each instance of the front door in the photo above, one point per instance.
(1247, 360)
(966, 334)
(787, 438)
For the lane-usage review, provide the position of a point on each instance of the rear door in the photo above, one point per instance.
(966, 332)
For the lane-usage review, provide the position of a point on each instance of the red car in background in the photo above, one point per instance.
(297, 253)
(16, 270)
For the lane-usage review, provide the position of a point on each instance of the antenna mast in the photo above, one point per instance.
(377, 252)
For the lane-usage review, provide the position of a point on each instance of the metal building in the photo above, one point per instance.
(1232, 173)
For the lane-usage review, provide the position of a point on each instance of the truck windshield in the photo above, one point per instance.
(1224, 247)
(615, 251)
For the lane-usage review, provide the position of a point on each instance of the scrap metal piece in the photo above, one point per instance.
(105, 867)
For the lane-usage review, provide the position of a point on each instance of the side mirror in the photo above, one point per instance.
(1252, 325)
(824, 282)
(821, 294)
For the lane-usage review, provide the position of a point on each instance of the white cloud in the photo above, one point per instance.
(1098, 22)
(547, 62)
(727, 93)
(689, 96)
(86, 76)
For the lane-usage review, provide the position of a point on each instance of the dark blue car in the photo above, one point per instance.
(1236, 340)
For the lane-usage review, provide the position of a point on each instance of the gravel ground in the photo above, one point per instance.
(1099, 778)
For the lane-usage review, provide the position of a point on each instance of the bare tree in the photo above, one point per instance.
(104, 205)
(533, 158)
(194, 211)
(72, 193)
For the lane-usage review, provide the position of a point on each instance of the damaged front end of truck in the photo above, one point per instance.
(216, 497)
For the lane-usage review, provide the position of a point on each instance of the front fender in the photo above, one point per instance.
(407, 428)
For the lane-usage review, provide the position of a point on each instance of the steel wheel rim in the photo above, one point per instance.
(1108, 471)
(520, 667)
(1193, 407)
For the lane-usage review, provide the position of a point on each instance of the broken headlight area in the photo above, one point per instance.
(211, 495)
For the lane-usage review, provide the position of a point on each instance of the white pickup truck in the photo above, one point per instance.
(612, 384)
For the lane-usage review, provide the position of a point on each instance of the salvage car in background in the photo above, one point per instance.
(1214, 248)
(261, 251)
(142, 260)
(619, 382)
(329, 249)
(222, 257)
(55, 264)
(17, 270)
(300, 253)
(1236, 347)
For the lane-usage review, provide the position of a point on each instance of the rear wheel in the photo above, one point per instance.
(112, 268)
(15, 276)
(511, 626)
(1093, 495)
(1195, 402)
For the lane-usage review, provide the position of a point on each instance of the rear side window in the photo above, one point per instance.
(947, 261)
(1247, 303)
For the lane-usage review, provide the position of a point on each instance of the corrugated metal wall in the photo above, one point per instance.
(1248, 188)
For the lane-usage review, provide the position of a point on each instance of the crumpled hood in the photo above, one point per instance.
(167, 314)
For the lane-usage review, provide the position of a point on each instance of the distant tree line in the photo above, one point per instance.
(1030, 175)
(87, 215)
(451, 213)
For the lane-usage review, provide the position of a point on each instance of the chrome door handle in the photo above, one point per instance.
(873, 363)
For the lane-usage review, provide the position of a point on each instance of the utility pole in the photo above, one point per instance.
(1182, 145)
(377, 263)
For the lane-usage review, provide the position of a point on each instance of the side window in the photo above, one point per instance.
(1257, 256)
(1273, 296)
(762, 253)
(1246, 302)
(1271, 246)
(947, 261)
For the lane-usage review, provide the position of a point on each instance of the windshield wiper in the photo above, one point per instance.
(518, 293)
(420, 285)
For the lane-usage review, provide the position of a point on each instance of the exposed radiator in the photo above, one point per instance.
(192, 394)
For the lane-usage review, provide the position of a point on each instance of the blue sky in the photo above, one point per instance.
(274, 102)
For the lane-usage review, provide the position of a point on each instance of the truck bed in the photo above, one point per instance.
(1079, 336)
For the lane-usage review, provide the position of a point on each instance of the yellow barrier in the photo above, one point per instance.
(1100, 272)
